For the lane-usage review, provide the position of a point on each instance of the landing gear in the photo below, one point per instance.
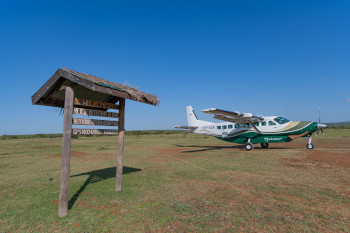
(248, 146)
(309, 145)
(264, 145)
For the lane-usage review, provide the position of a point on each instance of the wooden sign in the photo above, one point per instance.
(94, 132)
(81, 121)
(94, 104)
(90, 112)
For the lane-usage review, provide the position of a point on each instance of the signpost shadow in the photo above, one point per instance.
(97, 176)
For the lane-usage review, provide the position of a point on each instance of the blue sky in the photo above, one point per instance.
(283, 58)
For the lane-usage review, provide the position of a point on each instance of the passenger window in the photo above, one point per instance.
(263, 123)
(224, 127)
(272, 123)
(218, 127)
(246, 125)
(230, 126)
(236, 126)
(256, 124)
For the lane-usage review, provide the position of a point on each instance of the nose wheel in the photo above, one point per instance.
(309, 145)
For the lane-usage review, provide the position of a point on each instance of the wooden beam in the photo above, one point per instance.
(52, 103)
(120, 155)
(67, 134)
(46, 87)
(91, 112)
(57, 87)
(94, 132)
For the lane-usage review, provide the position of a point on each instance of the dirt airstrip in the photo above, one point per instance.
(326, 155)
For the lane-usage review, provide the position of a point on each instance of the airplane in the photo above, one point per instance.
(247, 129)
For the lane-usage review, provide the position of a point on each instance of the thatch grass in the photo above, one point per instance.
(133, 92)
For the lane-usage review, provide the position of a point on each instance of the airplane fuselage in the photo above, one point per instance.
(271, 131)
(247, 129)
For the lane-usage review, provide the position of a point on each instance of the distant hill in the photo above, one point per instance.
(344, 124)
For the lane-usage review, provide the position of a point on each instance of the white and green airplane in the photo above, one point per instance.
(247, 129)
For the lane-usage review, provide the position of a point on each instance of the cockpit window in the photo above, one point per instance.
(281, 120)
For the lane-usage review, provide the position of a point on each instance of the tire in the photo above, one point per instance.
(264, 145)
(248, 146)
(310, 146)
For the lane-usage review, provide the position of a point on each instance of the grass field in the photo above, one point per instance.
(177, 182)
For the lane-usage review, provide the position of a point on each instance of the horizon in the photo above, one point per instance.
(173, 129)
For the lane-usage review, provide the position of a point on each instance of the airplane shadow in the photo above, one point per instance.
(210, 148)
(97, 176)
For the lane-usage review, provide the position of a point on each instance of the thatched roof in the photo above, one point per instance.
(87, 86)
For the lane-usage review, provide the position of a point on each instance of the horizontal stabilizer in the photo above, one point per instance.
(185, 127)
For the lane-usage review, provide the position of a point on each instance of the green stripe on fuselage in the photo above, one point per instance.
(272, 137)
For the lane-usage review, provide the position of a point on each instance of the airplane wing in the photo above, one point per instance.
(234, 117)
(185, 127)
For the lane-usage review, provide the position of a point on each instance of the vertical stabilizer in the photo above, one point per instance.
(192, 119)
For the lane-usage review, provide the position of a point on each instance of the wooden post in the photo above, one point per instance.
(120, 155)
(67, 134)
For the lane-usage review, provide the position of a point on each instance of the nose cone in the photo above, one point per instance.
(321, 125)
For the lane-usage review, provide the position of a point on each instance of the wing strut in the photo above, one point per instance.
(258, 131)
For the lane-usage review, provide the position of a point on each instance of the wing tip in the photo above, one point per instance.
(208, 110)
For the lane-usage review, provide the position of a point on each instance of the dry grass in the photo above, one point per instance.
(178, 183)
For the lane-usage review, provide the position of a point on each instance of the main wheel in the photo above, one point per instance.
(248, 146)
(310, 146)
(264, 145)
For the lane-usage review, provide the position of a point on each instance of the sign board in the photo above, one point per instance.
(90, 112)
(94, 132)
(94, 104)
(80, 121)
(105, 95)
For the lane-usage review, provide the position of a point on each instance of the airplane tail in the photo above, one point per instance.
(192, 119)
(191, 116)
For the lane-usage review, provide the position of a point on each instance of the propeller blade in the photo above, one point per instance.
(319, 125)
(319, 115)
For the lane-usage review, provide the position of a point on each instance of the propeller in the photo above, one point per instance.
(319, 125)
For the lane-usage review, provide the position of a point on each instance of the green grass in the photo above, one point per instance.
(174, 182)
